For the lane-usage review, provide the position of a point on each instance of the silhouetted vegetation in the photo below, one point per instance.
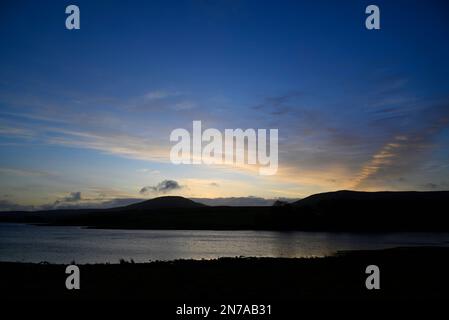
(406, 273)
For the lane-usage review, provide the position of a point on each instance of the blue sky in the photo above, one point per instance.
(91, 110)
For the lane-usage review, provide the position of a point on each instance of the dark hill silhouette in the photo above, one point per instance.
(384, 197)
(332, 211)
(404, 210)
(164, 202)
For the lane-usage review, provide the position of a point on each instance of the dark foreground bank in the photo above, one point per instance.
(405, 273)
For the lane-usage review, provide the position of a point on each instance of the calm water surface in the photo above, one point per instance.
(27, 243)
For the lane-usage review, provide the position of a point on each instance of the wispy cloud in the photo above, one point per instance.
(408, 151)
(158, 94)
(381, 160)
(318, 150)
(26, 172)
(150, 171)
(12, 131)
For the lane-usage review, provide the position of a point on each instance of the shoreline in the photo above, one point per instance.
(406, 273)
(329, 230)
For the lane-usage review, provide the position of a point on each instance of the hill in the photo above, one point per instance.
(333, 211)
(406, 210)
(381, 197)
(164, 202)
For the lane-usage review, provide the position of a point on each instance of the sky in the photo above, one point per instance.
(86, 115)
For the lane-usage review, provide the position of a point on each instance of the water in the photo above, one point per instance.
(27, 243)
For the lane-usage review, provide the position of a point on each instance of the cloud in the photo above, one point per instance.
(408, 150)
(183, 105)
(162, 187)
(25, 172)
(382, 159)
(277, 105)
(6, 205)
(435, 186)
(241, 201)
(326, 143)
(145, 170)
(73, 200)
(158, 94)
(73, 197)
(430, 185)
(96, 204)
(16, 132)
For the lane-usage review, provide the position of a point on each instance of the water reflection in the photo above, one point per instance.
(28, 243)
